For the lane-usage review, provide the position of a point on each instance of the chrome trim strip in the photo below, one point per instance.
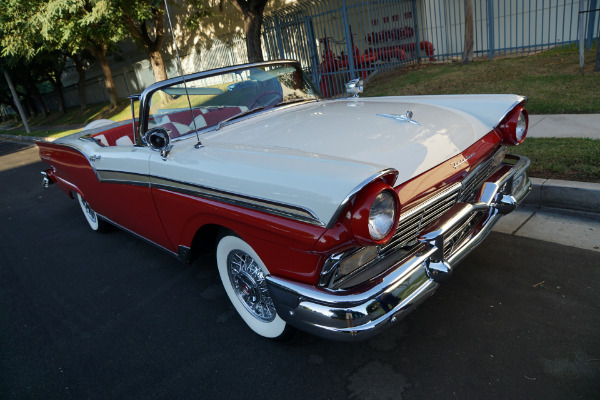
(127, 178)
(523, 101)
(267, 206)
(270, 207)
(139, 236)
(357, 189)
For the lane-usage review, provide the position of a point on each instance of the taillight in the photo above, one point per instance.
(514, 126)
(375, 214)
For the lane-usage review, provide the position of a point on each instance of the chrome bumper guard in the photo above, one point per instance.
(363, 311)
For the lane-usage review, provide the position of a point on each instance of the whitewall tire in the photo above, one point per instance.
(91, 217)
(243, 275)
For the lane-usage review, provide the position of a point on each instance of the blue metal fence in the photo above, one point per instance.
(341, 39)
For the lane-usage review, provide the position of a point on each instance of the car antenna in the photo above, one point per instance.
(199, 144)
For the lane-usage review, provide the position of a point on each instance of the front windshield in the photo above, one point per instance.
(216, 99)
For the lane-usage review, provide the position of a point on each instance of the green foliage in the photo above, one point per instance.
(575, 159)
(29, 27)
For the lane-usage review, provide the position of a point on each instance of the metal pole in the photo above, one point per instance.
(581, 38)
(17, 101)
(590, 35)
(490, 15)
(278, 37)
(348, 41)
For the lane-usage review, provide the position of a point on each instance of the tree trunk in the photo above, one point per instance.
(33, 90)
(55, 80)
(469, 41)
(37, 95)
(253, 17)
(30, 106)
(253, 26)
(99, 52)
(158, 65)
(139, 31)
(81, 83)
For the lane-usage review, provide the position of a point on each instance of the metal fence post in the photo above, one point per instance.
(581, 35)
(591, 20)
(278, 37)
(416, 30)
(312, 47)
(490, 18)
(349, 40)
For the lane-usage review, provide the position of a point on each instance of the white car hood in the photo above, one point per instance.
(316, 155)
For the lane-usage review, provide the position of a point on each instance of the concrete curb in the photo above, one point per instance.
(568, 195)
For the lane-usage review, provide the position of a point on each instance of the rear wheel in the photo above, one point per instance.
(95, 223)
(243, 275)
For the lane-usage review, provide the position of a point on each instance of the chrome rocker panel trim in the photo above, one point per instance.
(365, 310)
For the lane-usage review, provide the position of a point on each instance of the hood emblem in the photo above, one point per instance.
(401, 118)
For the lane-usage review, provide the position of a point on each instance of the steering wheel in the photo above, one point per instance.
(276, 98)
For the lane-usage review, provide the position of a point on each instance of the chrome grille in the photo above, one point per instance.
(479, 175)
(413, 222)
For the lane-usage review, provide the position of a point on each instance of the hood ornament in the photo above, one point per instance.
(401, 118)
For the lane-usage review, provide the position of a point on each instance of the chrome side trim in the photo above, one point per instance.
(127, 178)
(267, 206)
(158, 246)
(522, 101)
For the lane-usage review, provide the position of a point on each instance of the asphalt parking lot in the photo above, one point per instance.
(92, 316)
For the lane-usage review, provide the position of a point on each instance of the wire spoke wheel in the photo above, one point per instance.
(250, 286)
(244, 278)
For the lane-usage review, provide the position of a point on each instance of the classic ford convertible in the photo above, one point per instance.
(337, 217)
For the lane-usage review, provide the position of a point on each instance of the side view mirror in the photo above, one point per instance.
(157, 138)
(354, 87)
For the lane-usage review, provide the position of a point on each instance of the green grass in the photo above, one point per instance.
(575, 159)
(551, 80)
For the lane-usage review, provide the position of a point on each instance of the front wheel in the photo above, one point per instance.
(243, 275)
(95, 223)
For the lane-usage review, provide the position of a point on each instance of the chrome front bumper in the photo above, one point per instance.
(365, 310)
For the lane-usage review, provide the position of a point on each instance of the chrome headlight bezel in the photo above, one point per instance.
(382, 215)
(375, 214)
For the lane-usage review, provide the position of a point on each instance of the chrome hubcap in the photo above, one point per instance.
(250, 286)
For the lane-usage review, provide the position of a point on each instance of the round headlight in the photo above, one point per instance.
(514, 126)
(521, 128)
(382, 215)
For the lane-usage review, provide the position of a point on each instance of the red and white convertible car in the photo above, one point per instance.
(337, 217)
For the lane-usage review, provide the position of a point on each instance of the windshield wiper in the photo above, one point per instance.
(236, 116)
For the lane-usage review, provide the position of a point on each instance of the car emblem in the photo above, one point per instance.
(401, 118)
(456, 164)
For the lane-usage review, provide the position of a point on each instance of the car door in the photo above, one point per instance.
(122, 191)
